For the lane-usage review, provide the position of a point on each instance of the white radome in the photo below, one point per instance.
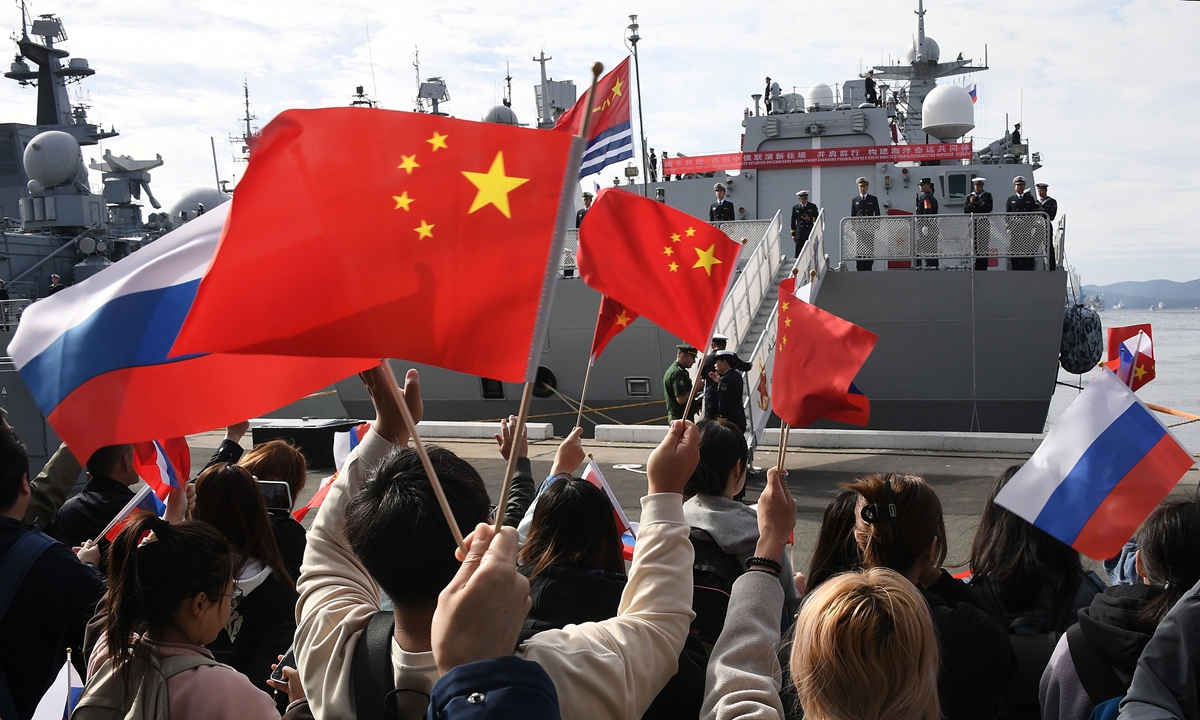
(52, 158)
(820, 95)
(947, 113)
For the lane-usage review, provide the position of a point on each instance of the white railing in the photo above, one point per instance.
(754, 282)
(1020, 236)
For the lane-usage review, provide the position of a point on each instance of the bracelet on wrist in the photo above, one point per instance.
(763, 570)
(764, 562)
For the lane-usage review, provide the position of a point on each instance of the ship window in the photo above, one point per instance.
(958, 186)
(492, 389)
(637, 386)
(545, 382)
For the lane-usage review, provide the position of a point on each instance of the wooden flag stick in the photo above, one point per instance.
(1169, 411)
(522, 416)
(784, 431)
(699, 383)
(583, 396)
(429, 471)
(597, 68)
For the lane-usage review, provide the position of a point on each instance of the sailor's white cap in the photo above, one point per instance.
(1042, 185)
(719, 186)
(720, 338)
(802, 193)
(1019, 179)
(862, 180)
(978, 180)
(588, 194)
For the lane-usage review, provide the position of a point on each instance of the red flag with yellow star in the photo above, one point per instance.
(817, 355)
(359, 232)
(667, 266)
(614, 317)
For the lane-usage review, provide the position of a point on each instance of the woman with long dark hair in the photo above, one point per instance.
(170, 593)
(261, 628)
(836, 550)
(280, 461)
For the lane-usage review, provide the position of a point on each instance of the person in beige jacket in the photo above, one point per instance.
(609, 669)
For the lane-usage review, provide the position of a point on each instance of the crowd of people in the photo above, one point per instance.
(227, 608)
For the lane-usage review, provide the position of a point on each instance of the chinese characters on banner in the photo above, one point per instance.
(860, 155)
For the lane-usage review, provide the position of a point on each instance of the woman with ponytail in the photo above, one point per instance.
(1094, 661)
(170, 594)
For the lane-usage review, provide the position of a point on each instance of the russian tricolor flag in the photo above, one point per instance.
(343, 444)
(96, 356)
(143, 499)
(163, 465)
(1131, 354)
(60, 699)
(1102, 468)
(973, 93)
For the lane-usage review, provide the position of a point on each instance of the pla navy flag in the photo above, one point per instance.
(610, 134)
(1104, 465)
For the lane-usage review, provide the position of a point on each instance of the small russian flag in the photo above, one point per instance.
(1102, 468)
(973, 93)
(593, 475)
(163, 464)
(1134, 364)
(144, 499)
(343, 444)
(60, 699)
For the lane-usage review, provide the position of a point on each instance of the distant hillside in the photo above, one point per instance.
(1149, 292)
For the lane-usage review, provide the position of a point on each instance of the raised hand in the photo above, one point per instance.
(672, 463)
(389, 421)
(570, 454)
(504, 438)
(776, 516)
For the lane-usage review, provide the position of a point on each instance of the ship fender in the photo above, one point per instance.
(1082, 340)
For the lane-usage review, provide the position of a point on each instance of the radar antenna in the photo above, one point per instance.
(507, 85)
(546, 118)
(245, 141)
(420, 101)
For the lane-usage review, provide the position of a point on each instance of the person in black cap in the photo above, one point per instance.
(1016, 134)
(979, 202)
(728, 378)
(927, 230)
(722, 209)
(55, 284)
(1020, 232)
(587, 205)
(677, 384)
(804, 214)
(1049, 204)
(653, 166)
(871, 93)
(864, 205)
(706, 371)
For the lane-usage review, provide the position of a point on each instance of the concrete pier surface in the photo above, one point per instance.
(962, 479)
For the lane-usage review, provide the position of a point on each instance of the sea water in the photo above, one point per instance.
(1177, 360)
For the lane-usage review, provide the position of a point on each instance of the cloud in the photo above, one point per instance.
(1103, 88)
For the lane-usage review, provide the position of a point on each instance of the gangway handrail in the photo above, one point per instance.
(751, 286)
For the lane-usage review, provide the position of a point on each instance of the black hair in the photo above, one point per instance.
(396, 527)
(14, 466)
(836, 550)
(102, 462)
(897, 540)
(1167, 542)
(228, 497)
(722, 447)
(1018, 558)
(573, 525)
(147, 582)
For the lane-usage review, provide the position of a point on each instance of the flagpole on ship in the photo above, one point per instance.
(527, 393)
(637, 76)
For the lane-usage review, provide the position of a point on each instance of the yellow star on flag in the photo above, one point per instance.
(674, 267)
(437, 141)
(1139, 371)
(676, 237)
(494, 187)
(706, 259)
(785, 306)
(787, 322)
(783, 340)
(691, 232)
(668, 250)
(402, 200)
(616, 88)
(425, 231)
(408, 163)
(623, 320)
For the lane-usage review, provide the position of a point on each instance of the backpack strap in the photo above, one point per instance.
(174, 664)
(20, 558)
(374, 681)
(1096, 676)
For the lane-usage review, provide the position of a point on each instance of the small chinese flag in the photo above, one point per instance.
(817, 355)
(1131, 354)
(361, 232)
(1118, 335)
(613, 318)
(665, 265)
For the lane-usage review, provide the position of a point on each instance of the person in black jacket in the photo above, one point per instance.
(1020, 230)
(900, 526)
(804, 214)
(728, 376)
(979, 202)
(55, 285)
(111, 474)
(706, 370)
(864, 205)
(927, 230)
(722, 210)
(587, 204)
(280, 461)
(50, 604)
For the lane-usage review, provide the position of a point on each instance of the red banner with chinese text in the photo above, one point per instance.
(861, 155)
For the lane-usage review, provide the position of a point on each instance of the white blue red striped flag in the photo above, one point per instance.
(163, 465)
(62, 696)
(610, 133)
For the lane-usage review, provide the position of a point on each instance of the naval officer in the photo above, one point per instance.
(927, 230)
(55, 284)
(587, 204)
(1050, 207)
(728, 378)
(864, 205)
(1020, 230)
(722, 209)
(804, 214)
(677, 384)
(717, 344)
(979, 202)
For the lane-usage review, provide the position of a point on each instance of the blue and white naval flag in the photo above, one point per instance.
(610, 134)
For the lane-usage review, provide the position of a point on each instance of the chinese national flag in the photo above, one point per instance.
(612, 320)
(1131, 354)
(665, 265)
(1118, 335)
(817, 355)
(361, 232)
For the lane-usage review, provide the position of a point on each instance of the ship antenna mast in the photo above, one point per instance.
(921, 28)
(420, 102)
(24, 21)
(633, 41)
(371, 60)
(248, 117)
(507, 85)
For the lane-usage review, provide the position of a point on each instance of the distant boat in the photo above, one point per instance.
(1119, 306)
(1161, 305)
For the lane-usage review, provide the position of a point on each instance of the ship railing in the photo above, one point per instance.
(758, 273)
(10, 312)
(904, 240)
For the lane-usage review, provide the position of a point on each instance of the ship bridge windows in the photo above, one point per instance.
(954, 186)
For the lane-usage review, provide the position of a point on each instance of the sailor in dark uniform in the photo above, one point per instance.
(1020, 230)
(707, 371)
(722, 210)
(1050, 207)
(927, 230)
(864, 205)
(979, 202)
(872, 95)
(804, 214)
(677, 384)
(55, 284)
(729, 389)
(587, 204)
(653, 166)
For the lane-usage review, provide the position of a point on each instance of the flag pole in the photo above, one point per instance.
(587, 375)
(1133, 363)
(394, 387)
(699, 382)
(527, 393)
(783, 443)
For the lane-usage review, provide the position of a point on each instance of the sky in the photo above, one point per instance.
(1106, 91)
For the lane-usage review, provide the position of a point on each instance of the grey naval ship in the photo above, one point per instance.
(947, 331)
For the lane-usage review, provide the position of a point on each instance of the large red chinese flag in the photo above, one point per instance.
(359, 232)
(817, 355)
(667, 266)
(613, 318)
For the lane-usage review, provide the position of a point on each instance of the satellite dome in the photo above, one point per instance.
(932, 51)
(793, 102)
(189, 205)
(501, 114)
(947, 113)
(820, 97)
(52, 158)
